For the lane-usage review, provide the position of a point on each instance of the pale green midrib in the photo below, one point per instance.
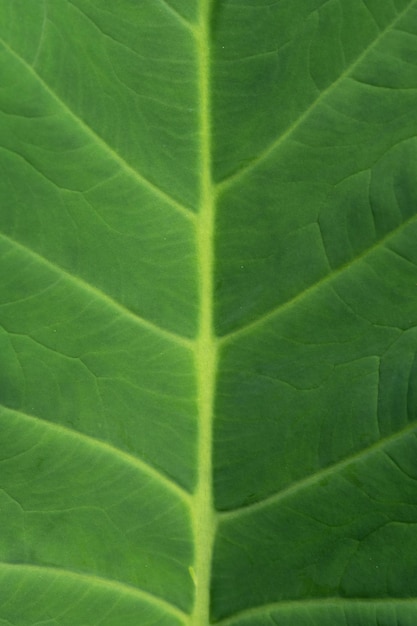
(288, 605)
(101, 143)
(107, 584)
(233, 178)
(204, 519)
(316, 477)
(95, 292)
(97, 445)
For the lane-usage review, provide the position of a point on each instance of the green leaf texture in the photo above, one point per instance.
(208, 373)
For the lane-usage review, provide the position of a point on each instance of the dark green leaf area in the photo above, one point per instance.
(336, 184)
(333, 613)
(311, 232)
(77, 507)
(373, 208)
(353, 534)
(325, 377)
(284, 57)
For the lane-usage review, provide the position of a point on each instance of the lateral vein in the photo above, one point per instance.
(92, 290)
(97, 581)
(288, 605)
(142, 180)
(105, 447)
(328, 278)
(233, 178)
(317, 476)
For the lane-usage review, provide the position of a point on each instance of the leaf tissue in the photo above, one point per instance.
(208, 373)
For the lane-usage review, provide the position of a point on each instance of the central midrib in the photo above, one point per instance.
(204, 519)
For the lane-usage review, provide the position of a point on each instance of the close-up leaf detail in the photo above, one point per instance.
(208, 313)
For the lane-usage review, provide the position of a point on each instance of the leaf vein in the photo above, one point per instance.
(249, 327)
(105, 447)
(97, 581)
(97, 293)
(316, 477)
(98, 140)
(314, 604)
(233, 178)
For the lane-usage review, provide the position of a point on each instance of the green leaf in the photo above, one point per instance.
(208, 374)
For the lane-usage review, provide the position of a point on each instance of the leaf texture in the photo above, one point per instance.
(208, 309)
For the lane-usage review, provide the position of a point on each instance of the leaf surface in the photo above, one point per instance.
(208, 374)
